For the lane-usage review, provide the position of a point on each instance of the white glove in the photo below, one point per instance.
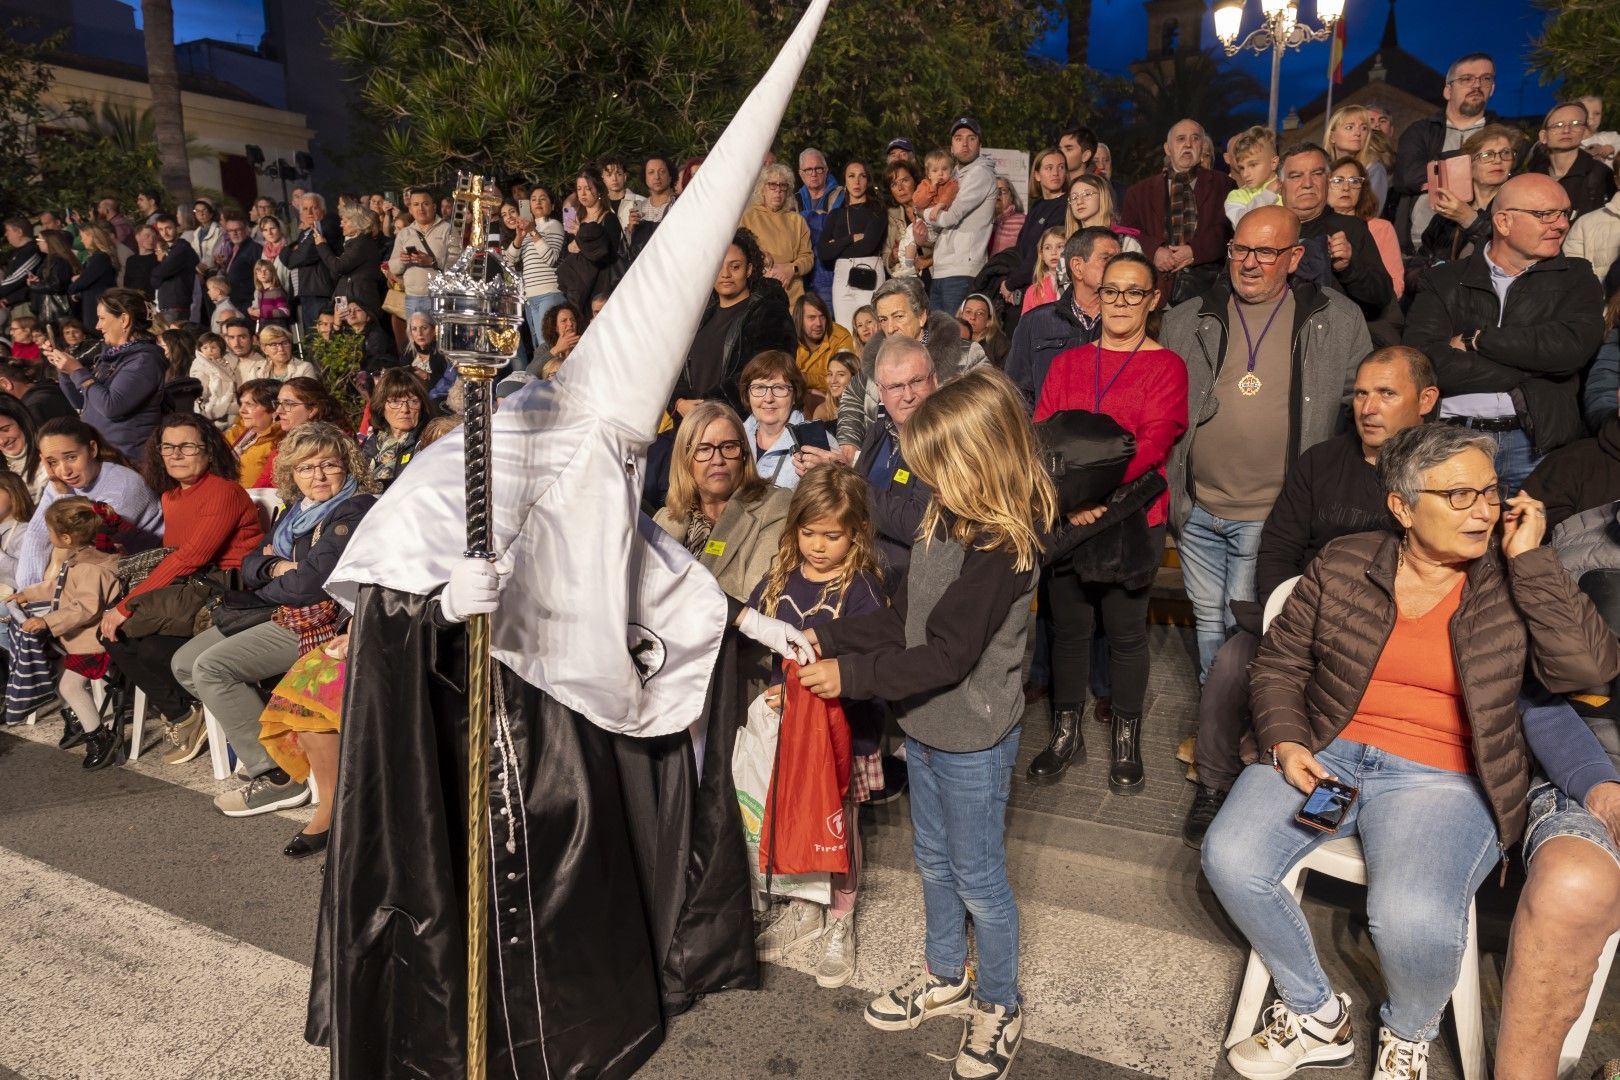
(781, 638)
(474, 589)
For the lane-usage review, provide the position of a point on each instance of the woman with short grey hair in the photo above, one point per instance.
(1386, 696)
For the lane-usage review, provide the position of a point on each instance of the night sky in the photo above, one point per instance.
(1428, 29)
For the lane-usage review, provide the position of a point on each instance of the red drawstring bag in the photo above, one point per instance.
(803, 830)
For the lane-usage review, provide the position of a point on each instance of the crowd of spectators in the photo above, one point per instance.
(1372, 380)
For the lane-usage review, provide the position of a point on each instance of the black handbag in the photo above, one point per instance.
(862, 277)
(235, 612)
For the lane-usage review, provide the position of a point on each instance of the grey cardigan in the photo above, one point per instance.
(1330, 340)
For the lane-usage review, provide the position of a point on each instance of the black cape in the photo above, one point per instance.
(620, 892)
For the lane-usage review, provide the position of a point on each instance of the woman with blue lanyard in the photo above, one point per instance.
(772, 386)
(1143, 386)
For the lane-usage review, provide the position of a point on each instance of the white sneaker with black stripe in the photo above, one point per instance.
(990, 1039)
(1288, 1042)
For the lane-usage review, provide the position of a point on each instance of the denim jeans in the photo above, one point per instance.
(413, 304)
(947, 293)
(1515, 459)
(1217, 566)
(534, 312)
(1429, 841)
(958, 826)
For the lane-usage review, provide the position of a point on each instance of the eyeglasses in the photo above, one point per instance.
(1346, 181)
(764, 390)
(1112, 294)
(325, 468)
(289, 405)
(914, 386)
(185, 449)
(1560, 125)
(1495, 155)
(400, 401)
(1465, 498)
(730, 450)
(813, 168)
(1265, 256)
(779, 186)
(1474, 80)
(278, 344)
(1546, 217)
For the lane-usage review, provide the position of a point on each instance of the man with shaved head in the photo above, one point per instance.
(1270, 364)
(1509, 329)
(1181, 215)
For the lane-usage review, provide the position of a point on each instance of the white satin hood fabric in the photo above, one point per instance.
(602, 610)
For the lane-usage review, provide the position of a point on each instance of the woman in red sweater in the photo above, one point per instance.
(1143, 386)
(211, 524)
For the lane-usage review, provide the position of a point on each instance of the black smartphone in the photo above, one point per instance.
(410, 249)
(1326, 807)
(810, 435)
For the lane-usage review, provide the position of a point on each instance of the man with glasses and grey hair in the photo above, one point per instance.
(819, 196)
(1270, 365)
(1470, 82)
(1510, 328)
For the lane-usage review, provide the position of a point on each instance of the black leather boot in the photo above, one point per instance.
(72, 731)
(1067, 745)
(99, 748)
(1125, 765)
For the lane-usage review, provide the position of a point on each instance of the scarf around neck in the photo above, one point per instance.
(1183, 220)
(300, 520)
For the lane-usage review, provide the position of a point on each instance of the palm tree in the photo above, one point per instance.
(163, 75)
(1187, 86)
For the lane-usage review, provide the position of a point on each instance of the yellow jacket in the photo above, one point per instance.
(813, 362)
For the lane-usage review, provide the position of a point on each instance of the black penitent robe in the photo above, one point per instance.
(620, 886)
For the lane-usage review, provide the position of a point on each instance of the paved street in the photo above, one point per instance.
(145, 936)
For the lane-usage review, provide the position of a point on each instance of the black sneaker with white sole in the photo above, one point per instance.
(922, 998)
(990, 1038)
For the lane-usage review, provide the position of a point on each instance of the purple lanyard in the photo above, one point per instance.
(1103, 390)
(1254, 346)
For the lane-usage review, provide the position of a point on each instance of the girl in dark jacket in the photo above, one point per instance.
(596, 246)
(48, 285)
(357, 272)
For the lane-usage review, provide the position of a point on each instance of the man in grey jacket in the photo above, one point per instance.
(960, 232)
(1270, 364)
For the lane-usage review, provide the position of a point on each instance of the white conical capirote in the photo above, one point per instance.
(626, 364)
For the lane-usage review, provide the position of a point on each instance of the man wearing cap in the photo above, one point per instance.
(1181, 216)
(960, 233)
(898, 150)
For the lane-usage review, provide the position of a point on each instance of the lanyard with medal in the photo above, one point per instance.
(1249, 385)
(1102, 390)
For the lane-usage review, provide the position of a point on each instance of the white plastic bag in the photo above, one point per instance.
(751, 765)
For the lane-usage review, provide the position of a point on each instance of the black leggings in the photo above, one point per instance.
(145, 662)
(1075, 605)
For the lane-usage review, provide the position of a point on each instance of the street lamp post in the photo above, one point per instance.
(1280, 30)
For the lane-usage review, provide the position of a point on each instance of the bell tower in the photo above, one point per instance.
(1173, 27)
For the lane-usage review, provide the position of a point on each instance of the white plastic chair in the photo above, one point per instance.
(268, 501)
(1274, 603)
(219, 751)
(1342, 859)
(1575, 1041)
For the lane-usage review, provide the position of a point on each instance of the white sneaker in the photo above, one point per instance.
(990, 1040)
(1399, 1059)
(837, 965)
(920, 998)
(799, 921)
(1287, 1042)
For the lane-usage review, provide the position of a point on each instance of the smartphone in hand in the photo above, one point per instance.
(1326, 807)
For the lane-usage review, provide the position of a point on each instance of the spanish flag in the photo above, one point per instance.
(1336, 58)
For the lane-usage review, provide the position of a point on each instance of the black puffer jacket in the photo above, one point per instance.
(1534, 350)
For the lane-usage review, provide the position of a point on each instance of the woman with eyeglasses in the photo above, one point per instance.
(773, 387)
(718, 506)
(775, 222)
(1394, 671)
(399, 410)
(326, 486)
(209, 525)
(1142, 385)
(120, 392)
(1462, 224)
(1558, 154)
(1091, 202)
(277, 345)
(1350, 191)
(298, 401)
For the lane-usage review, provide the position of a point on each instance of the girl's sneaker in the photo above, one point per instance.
(924, 997)
(837, 965)
(1289, 1042)
(990, 1038)
(799, 921)
(1399, 1059)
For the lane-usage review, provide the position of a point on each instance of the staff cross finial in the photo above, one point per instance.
(479, 194)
